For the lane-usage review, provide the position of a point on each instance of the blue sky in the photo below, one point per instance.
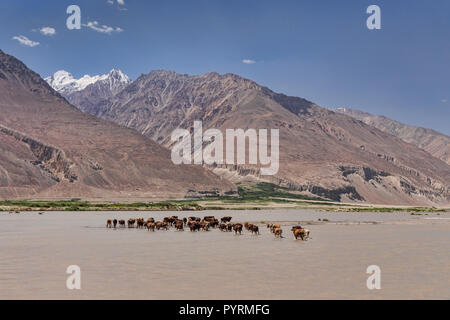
(320, 50)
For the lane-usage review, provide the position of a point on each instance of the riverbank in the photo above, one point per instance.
(257, 196)
(15, 206)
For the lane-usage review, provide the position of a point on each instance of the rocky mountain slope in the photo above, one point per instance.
(436, 143)
(321, 152)
(49, 149)
(88, 91)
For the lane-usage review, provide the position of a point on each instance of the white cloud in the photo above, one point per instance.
(444, 100)
(47, 31)
(94, 25)
(120, 3)
(248, 61)
(25, 41)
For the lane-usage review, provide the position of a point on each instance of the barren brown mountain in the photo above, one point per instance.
(49, 149)
(321, 152)
(436, 143)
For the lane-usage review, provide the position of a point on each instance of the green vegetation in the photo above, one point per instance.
(250, 197)
(264, 191)
(78, 205)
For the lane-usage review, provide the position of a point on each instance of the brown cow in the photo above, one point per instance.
(237, 228)
(204, 225)
(214, 223)
(246, 225)
(254, 229)
(278, 232)
(273, 227)
(162, 225)
(131, 223)
(122, 223)
(179, 225)
(169, 220)
(150, 226)
(151, 220)
(140, 223)
(300, 233)
(225, 219)
(109, 223)
(194, 226)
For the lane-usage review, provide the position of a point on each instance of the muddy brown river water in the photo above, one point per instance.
(412, 252)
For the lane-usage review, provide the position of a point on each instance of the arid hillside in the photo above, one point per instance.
(436, 143)
(49, 149)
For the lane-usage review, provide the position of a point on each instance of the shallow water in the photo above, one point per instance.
(412, 252)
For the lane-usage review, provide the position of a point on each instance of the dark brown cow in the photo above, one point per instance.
(122, 223)
(194, 226)
(131, 223)
(179, 225)
(237, 228)
(225, 219)
(254, 229)
(214, 223)
(108, 223)
(169, 220)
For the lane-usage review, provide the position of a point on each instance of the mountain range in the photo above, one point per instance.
(322, 152)
(50, 149)
(436, 143)
(109, 137)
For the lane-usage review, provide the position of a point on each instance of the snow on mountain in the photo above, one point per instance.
(63, 81)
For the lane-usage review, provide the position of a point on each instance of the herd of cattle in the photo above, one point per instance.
(205, 224)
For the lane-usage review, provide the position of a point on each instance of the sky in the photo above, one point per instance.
(320, 50)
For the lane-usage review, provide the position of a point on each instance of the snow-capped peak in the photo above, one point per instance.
(63, 82)
(119, 75)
